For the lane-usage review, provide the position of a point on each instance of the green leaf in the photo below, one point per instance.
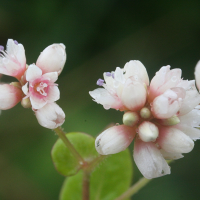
(108, 181)
(64, 161)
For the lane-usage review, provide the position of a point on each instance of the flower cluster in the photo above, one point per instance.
(36, 86)
(161, 116)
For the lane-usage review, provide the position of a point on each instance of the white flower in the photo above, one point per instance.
(162, 116)
(40, 88)
(36, 87)
(13, 60)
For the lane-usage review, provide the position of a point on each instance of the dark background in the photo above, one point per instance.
(99, 36)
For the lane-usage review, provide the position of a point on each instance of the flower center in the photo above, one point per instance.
(40, 88)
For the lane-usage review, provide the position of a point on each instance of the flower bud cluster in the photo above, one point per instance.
(159, 115)
(36, 86)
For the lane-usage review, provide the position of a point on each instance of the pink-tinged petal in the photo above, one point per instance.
(103, 97)
(17, 50)
(114, 139)
(168, 104)
(33, 72)
(25, 88)
(197, 75)
(51, 76)
(164, 80)
(9, 96)
(37, 102)
(52, 59)
(137, 69)
(50, 116)
(149, 160)
(134, 95)
(53, 94)
(13, 60)
(171, 156)
(174, 141)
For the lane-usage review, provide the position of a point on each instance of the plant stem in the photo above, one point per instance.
(95, 162)
(134, 189)
(68, 144)
(86, 185)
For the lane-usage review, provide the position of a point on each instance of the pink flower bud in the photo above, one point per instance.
(168, 104)
(52, 59)
(50, 116)
(114, 139)
(9, 96)
(136, 68)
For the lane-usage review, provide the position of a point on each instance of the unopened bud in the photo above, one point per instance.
(26, 103)
(148, 131)
(114, 139)
(130, 118)
(145, 113)
(170, 121)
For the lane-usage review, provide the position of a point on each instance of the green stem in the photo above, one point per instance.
(136, 187)
(68, 144)
(86, 185)
(95, 162)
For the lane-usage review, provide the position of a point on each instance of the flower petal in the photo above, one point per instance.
(134, 95)
(164, 80)
(191, 100)
(50, 116)
(193, 133)
(13, 61)
(103, 97)
(53, 94)
(136, 68)
(52, 76)
(9, 96)
(114, 139)
(149, 160)
(37, 102)
(25, 88)
(33, 72)
(52, 59)
(170, 156)
(197, 75)
(174, 141)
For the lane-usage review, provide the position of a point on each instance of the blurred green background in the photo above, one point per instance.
(99, 36)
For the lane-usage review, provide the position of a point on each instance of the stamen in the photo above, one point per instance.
(113, 75)
(41, 88)
(1, 48)
(15, 41)
(100, 82)
(108, 74)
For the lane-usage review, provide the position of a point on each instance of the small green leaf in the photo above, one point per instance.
(65, 163)
(108, 181)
